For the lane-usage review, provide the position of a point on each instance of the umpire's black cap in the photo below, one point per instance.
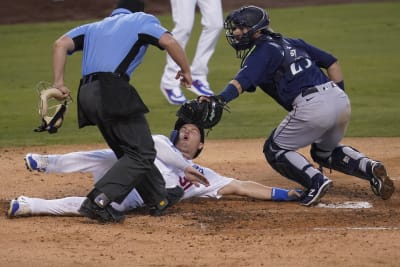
(132, 5)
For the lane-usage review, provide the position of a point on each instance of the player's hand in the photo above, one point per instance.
(295, 194)
(195, 177)
(185, 78)
(203, 98)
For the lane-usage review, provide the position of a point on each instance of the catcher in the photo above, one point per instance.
(289, 70)
(174, 159)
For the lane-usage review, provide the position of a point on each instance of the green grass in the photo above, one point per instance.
(365, 38)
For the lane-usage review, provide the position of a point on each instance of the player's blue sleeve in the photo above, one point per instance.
(280, 194)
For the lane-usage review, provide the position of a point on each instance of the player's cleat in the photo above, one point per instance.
(36, 162)
(103, 215)
(173, 196)
(19, 207)
(320, 186)
(381, 184)
(173, 95)
(200, 88)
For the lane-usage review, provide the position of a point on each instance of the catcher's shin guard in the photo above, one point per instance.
(344, 159)
(290, 164)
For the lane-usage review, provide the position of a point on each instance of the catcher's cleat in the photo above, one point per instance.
(103, 215)
(173, 196)
(19, 207)
(36, 162)
(200, 88)
(318, 189)
(381, 184)
(174, 95)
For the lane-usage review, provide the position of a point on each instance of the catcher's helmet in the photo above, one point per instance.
(175, 134)
(251, 17)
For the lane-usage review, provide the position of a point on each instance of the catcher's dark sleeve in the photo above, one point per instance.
(229, 93)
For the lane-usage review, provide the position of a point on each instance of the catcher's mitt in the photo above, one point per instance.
(51, 116)
(205, 114)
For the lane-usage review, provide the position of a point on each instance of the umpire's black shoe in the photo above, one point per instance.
(103, 215)
(173, 196)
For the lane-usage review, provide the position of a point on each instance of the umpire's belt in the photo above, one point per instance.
(95, 76)
(317, 88)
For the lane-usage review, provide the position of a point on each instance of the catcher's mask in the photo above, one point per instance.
(174, 137)
(251, 17)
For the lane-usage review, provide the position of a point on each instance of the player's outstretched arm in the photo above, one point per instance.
(258, 191)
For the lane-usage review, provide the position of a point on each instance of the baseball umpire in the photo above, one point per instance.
(290, 71)
(112, 49)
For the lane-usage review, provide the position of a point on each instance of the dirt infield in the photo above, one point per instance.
(228, 232)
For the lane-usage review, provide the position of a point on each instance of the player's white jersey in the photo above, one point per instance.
(173, 171)
(169, 161)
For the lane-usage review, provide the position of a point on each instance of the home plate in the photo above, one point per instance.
(346, 205)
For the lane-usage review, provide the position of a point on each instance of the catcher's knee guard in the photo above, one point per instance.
(344, 159)
(288, 163)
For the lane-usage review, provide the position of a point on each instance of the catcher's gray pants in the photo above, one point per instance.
(319, 117)
(130, 139)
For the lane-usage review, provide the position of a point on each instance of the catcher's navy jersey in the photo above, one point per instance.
(283, 68)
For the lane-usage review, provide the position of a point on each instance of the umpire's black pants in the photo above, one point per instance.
(130, 139)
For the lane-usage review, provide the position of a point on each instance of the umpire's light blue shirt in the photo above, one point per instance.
(107, 42)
